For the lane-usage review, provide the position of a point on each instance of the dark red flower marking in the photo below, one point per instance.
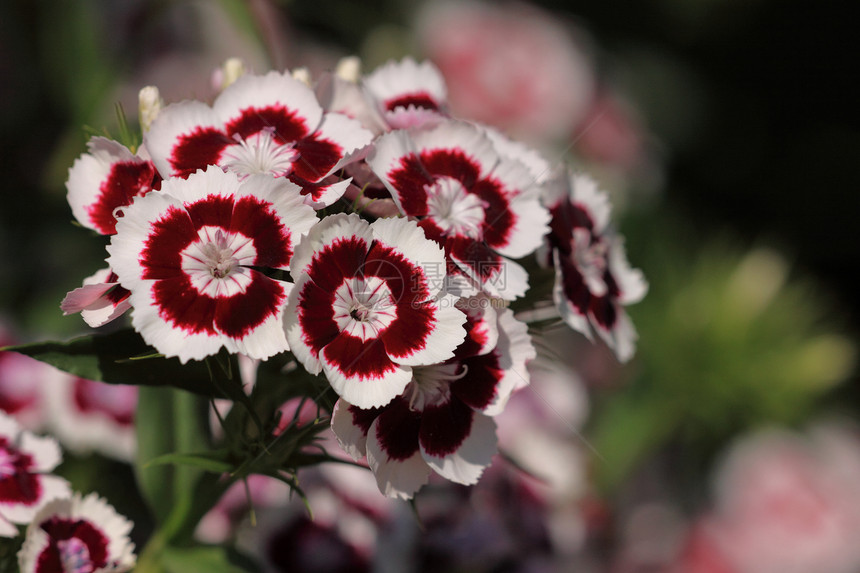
(170, 235)
(444, 427)
(197, 149)
(17, 482)
(363, 359)
(409, 181)
(72, 536)
(479, 387)
(566, 217)
(397, 430)
(125, 181)
(285, 124)
(305, 545)
(420, 99)
(316, 158)
(453, 163)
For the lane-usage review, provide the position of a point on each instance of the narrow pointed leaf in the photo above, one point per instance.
(123, 357)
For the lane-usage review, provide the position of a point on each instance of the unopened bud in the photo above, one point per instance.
(349, 69)
(303, 75)
(231, 70)
(149, 106)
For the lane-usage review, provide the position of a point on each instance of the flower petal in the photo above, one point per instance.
(275, 100)
(393, 453)
(346, 136)
(440, 325)
(334, 229)
(100, 300)
(400, 84)
(425, 259)
(109, 176)
(570, 295)
(361, 372)
(394, 160)
(7, 529)
(457, 442)
(308, 323)
(492, 378)
(49, 487)
(351, 426)
(185, 137)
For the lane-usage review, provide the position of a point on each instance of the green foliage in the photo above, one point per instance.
(182, 421)
(9, 552)
(206, 560)
(728, 341)
(180, 472)
(123, 357)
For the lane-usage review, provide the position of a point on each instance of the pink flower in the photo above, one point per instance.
(482, 206)
(100, 300)
(789, 503)
(220, 522)
(611, 134)
(77, 534)
(190, 256)
(270, 124)
(594, 281)
(25, 485)
(365, 310)
(443, 419)
(105, 179)
(509, 66)
(20, 386)
(89, 416)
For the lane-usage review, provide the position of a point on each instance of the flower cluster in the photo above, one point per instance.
(64, 531)
(355, 223)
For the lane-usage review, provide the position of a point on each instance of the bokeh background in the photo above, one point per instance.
(728, 134)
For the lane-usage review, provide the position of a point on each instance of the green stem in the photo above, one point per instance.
(150, 558)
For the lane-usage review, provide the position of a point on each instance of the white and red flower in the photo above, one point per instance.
(270, 124)
(101, 183)
(365, 309)
(25, 482)
(100, 300)
(191, 256)
(407, 93)
(482, 206)
(105, 179)
(77, 534)
(443, 419)
(594, 281)
(89, 416)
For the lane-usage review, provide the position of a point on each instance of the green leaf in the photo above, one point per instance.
(208, 559)
(629, 428)
(126, 135)
(123, 357)
(215, 461)
(169, 421)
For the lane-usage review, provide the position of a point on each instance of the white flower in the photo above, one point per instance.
(25, 484)
(76, 534)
